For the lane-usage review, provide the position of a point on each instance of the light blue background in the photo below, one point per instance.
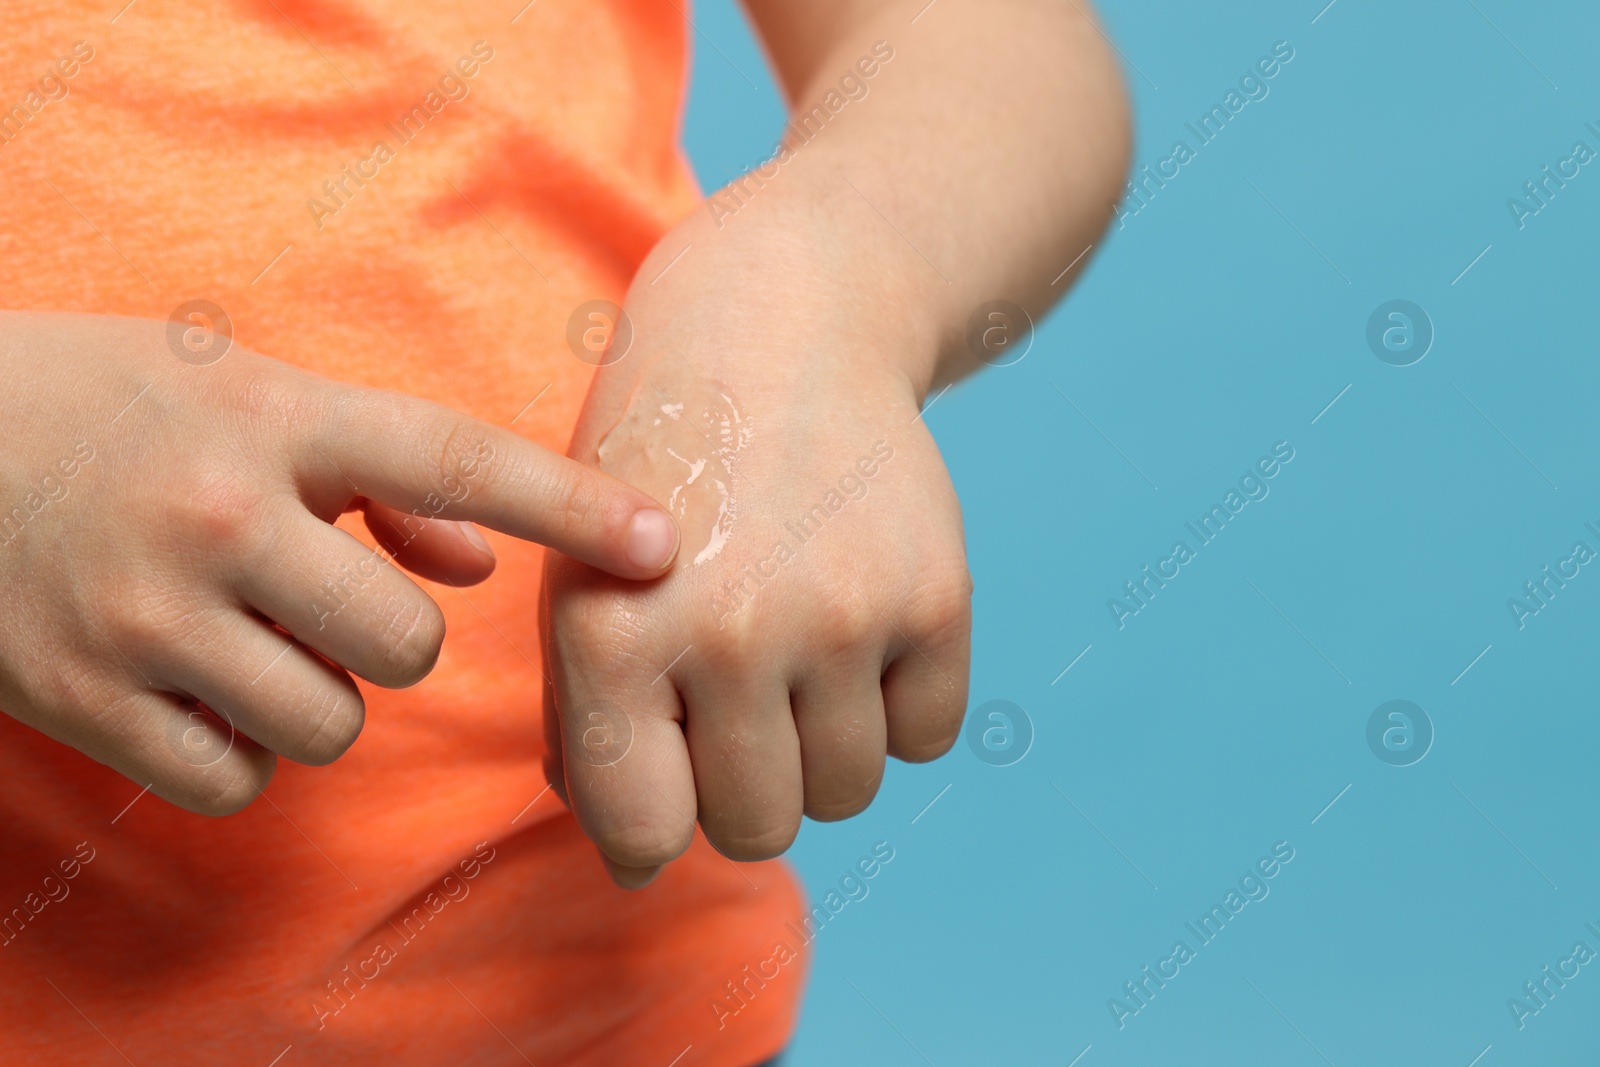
(1212, 726)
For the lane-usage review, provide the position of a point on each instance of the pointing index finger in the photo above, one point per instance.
(432, 462)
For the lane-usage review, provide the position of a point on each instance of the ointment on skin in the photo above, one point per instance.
(683, 450)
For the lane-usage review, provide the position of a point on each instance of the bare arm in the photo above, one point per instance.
(994, 140)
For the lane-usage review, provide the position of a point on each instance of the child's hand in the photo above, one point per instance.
(824, 293)
(166, 539)
(818, 614)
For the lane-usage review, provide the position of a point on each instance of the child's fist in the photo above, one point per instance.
(817, 618)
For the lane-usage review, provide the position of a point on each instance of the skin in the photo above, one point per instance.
(176, 567)
(982, 162)
(176, 533)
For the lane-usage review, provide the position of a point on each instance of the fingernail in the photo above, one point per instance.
(474, 537)
(652, 539)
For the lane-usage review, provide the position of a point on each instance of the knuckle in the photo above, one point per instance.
(225, 789)
(332, 719)
(940, 607)
(259, 394)
(588, 617)
(567, 501)
(218, 511)
(842, 784)
(846, 623)
(252, 394)
(645, 843)
(932, 727)
(757, 841)
(925, 719)
(145, 619)
(602, 632)
(733, 647)
(458, 453)
(925, 749)
(95, 709)
(837, 808)
(70, 689)
(409, 646)
(843, 788)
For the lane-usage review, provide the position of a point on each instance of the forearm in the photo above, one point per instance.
(976, 163)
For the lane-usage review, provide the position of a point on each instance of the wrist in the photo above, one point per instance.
(809, 258)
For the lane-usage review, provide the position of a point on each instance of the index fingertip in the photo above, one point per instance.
(652, 540)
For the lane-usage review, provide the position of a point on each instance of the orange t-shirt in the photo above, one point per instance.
(414, 195)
